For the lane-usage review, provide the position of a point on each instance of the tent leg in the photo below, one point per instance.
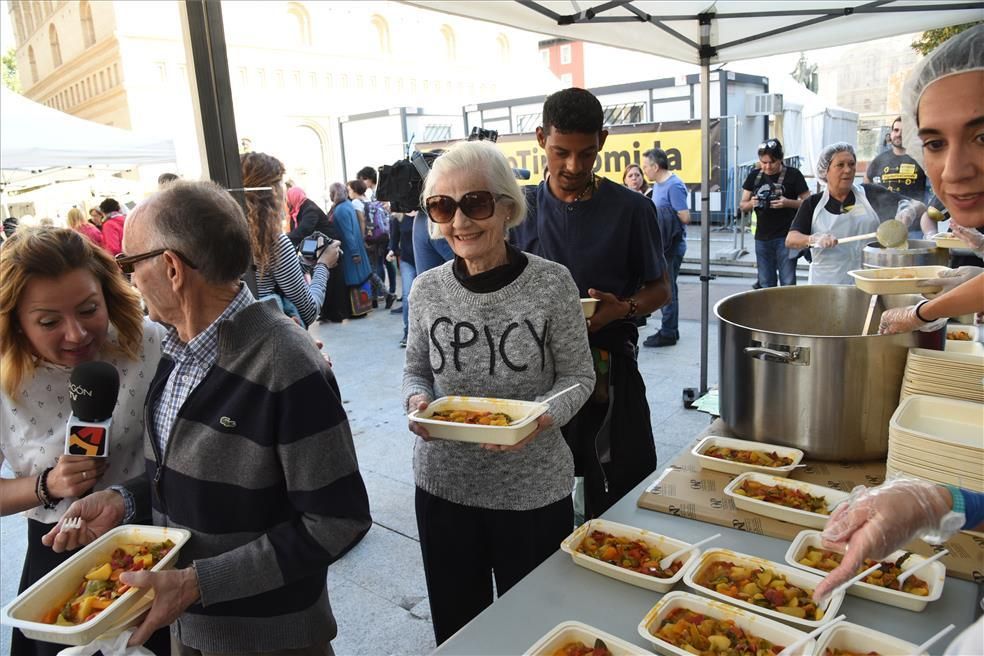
(705, 216)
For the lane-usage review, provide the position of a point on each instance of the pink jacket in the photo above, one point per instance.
(112, 233)
(92, 233)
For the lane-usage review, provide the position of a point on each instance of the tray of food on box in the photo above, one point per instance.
(796, 502)
(578, 639)
(683, 624)
(479, 419)
(82, 598)
(778, 591)
(734, 456)
(806, 551)
(628, 554)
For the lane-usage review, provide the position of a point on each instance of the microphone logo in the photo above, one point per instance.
(86, 440)
(75, 391)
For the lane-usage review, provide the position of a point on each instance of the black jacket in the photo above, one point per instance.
(309, 218)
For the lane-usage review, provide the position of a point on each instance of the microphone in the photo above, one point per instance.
(92, 388)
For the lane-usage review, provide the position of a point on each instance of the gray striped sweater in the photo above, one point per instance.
(525, 341)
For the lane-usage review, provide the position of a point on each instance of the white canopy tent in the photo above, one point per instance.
(35, 139)
(706, 32)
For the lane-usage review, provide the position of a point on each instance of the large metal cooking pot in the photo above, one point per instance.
(921, 252)
(794, 369)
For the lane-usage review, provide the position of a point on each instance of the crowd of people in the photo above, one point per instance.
(230, 422)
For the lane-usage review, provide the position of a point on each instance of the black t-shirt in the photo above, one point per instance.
(609, 242)
(885, 203)
(774, 223)
(898, 173)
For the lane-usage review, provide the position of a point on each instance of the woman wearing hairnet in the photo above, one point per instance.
(844, 209)
(944, 99)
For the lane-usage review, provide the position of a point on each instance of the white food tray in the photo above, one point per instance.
(861, 640)
(934, 574)
(756, 625)
(976, 332)
(588, 306)
(25, 611)
(794, 575)
(665, 544)
(566, 632)
(942, 420)
(889, 281)
(731, 467)
(774, 510)
(948, 240)
(502, 435)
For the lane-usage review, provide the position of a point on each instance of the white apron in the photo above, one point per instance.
(830, 265)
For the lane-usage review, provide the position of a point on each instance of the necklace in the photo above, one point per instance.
(590, 185)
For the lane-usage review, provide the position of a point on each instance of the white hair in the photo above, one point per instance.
(484, 158)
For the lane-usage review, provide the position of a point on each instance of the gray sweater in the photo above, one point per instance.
(525, 341)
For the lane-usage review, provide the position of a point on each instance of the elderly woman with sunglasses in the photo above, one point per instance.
(494, 322)
(64, 302)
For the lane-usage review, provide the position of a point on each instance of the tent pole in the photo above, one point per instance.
(705, 196)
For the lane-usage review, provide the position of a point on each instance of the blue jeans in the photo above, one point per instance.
(407, 273)
(772, 255)
(428, 253)
(671, 311)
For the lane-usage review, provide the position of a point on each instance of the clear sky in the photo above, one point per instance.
(6, 29)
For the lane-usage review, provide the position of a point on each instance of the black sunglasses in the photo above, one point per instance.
(477, 205)
(126, 262)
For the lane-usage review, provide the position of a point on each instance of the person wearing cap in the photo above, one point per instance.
(775, 191)
(942, 99)
(843, 209)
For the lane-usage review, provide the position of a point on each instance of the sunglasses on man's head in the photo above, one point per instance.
(477, 205)
(126, 262)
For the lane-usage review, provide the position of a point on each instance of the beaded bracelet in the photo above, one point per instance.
(44, 494)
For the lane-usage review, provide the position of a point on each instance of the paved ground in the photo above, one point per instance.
(378, 591)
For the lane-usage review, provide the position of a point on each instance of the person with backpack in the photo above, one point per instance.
(374, 223)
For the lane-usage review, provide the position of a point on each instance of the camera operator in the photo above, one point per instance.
(774, 191)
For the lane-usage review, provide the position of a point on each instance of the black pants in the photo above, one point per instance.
(464, 547)
(39, 561)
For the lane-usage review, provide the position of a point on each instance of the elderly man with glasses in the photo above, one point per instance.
(248, 445)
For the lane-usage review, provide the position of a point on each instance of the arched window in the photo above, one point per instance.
(449, 43)
(33, 63)
(382, 34)
(299, 23)
(56, 59)
(88, 29)
(503, 42)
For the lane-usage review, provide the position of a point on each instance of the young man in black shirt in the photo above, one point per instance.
(897, 171)
(775, 191)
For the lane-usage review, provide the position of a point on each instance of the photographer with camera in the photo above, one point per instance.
(774, 192)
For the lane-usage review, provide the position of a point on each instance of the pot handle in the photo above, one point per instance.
(793, 356)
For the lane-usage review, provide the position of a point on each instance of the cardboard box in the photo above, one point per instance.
(686, 490)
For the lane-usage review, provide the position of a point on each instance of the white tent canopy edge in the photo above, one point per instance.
(710, 32)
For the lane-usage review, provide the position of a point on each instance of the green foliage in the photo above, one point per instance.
(8, 68)
(931, 39)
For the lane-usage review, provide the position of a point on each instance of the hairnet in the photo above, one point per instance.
(827, 156)
(961, 54)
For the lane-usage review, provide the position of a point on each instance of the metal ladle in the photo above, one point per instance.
(891, 234)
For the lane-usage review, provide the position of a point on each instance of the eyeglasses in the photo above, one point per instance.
(126, 262)
(477, 205)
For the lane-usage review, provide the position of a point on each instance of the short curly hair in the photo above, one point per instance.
(573, 110)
